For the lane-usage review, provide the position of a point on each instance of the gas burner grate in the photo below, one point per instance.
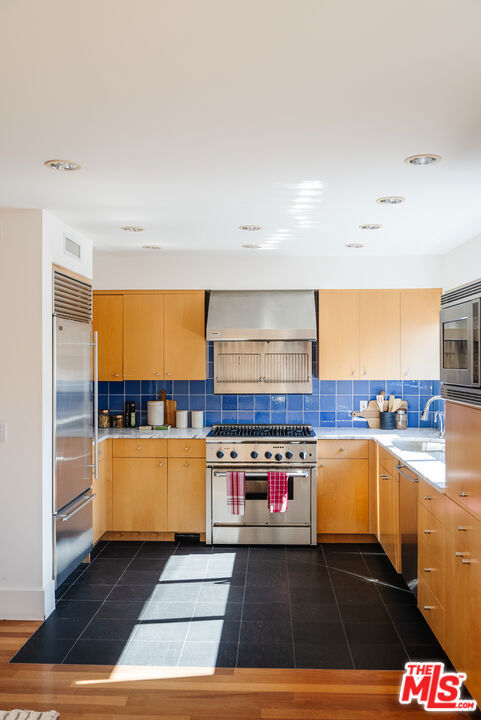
(269, 431)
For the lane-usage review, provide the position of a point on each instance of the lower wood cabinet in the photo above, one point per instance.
(343, 496)
(388, 498)
(102, 487)
(139, 495)
(186, 495)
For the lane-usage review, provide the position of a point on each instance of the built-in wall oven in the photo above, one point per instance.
(460, 337)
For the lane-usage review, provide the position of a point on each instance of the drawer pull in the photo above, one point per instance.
(384, 477)
(117, 375)
(428, 532)
(427, 569)
(186, 464)
(459, 554)
(341, 449)
(156, 373)
(466, 562)
(160, 464)
(462, 528)
(186, 449)
(139, 447)
(169, 374)
(462, 494)
(427, 497)
(429, 607)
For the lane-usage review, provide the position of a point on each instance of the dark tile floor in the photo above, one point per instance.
(333, 606)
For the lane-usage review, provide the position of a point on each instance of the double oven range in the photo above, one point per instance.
(256, 450)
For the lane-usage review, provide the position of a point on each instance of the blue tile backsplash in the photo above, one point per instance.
(329, 405)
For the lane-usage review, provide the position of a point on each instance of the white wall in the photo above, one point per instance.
(461, 265)
(30, 240)
(259, 271)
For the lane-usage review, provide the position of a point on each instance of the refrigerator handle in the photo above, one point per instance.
(54, 412)
(96, 404)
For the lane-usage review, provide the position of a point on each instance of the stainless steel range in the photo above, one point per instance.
(254, 450)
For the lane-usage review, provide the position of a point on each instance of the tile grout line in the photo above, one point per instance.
(386, 608)
(103, 601)
(338, 608)
(290, 610)
(88, 565)
(242, 608)
(195, 605)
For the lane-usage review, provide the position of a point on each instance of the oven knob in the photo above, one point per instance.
(220, 454)
(254, 454)
(268, 455)
(233, 454)
(303, 455)
(278, 457)
(288, 454)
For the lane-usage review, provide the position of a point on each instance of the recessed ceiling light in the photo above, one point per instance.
(423, 159)
(132, 228)
(152, 247)
(354, 245)
(391, 200)
(252, 247)
(63, 165)
(250, 228)
(370, 226)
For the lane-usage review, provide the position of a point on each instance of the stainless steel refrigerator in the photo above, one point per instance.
(74, 434)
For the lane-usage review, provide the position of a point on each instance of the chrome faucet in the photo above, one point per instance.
(438, 414)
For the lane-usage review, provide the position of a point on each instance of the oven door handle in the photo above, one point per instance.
(254, 475)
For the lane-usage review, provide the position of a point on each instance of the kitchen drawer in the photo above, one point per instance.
(338, 449)
(140, 448)
(186, 448)
(433, 500)
(388, 461)
(432, 552)
(465, 527)
(432, 610)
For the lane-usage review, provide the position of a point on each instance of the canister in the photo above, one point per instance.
(197, 418)
(401, 420)
(155, 412)
(181, 420)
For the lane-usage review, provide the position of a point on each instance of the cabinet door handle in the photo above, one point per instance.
(157, 373)
(169, 374)
(186, 449)
(429, 607)
(462, 494)
(364, 372)
(186, 464)
(427, 532)
(427, 569)
(160, 464)
(466, 562)
(459, 554)
(427, 497)
(139, 447)
(462, 528)
(384, 477)
(117, 375)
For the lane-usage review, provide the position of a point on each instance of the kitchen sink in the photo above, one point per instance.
(436, 448)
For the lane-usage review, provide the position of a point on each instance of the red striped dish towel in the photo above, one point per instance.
(236, 492)
(277, 491)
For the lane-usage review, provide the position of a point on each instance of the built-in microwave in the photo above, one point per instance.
(460, 333)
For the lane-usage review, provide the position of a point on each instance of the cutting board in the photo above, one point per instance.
(170, 410)
(372, 412)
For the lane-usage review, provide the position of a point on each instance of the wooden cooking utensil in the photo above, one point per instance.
(391, 402)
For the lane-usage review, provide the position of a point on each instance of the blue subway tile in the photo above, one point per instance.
(213, 418)
(394, 387)
(359, 423)
(246, 416)
(344, 387)
(132, 387)
(413, 402)
(343, 416)
(360, 387)
(327, 387)
(148, 387)
(116, 388)
(197, 402)
(343, 423)
(262, 417)
(103, 387)
(356, 400)
(229, 416)
(278, 417)
(181, 387)
(164, 385)
(229, 402)
(426, 387)
(278, 402)
(116, 403)
(315, 385)
(262, 402)
(311, 418)
(209, 387)
(344, 403)
(142, 400)
(182, 402)
(103, 402)
(327, 402)
(311, 402)
(410, 387)
(413, 419)
(211, 352)
(245, 402)
(294, 402)
(436, 387)
(210, 370)
(327, 423)
(375, 387)
(295, 417)
(327, 417)
(213, 402)
(197, 387)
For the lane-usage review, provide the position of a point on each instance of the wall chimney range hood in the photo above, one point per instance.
(261, 315)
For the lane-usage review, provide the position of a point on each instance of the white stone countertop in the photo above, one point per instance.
(421, 463)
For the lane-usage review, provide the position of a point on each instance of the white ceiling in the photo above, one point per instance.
(191, 117)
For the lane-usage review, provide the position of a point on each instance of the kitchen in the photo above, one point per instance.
(231, 449)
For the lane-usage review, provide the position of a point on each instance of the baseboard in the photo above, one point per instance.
(27, 603)
(346, 538)
(146, 536)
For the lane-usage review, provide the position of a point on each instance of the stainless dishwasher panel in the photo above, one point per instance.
(408, 526)
(73, 527)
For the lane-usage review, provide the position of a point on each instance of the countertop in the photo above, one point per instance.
(421, 463)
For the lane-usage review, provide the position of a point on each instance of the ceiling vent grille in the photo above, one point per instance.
(461, 293)
(72, 298)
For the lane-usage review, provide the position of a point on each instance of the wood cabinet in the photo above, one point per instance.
(154, 447)
(432, 553)
(338, 345)
(420, 333)
(143, 337)
(184, 336)
(343, 496)
(108, 321)
(102, 487)
(186, 497)
(371, 334)
(379, 332)
(139, 495)
(463, 456)
(389, 536)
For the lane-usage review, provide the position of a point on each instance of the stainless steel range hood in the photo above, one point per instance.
(261, 315)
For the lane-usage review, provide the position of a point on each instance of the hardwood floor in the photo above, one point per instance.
(80, 692)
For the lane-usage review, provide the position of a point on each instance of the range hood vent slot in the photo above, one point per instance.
(263, 367)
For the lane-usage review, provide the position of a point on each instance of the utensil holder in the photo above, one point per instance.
(388, 420)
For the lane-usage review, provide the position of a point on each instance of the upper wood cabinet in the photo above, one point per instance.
(143, 337)
(420, 334)
(184, 346)
(150, 335)
(379, 331)
(108, 320)
(375, 334)
(338, 346)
